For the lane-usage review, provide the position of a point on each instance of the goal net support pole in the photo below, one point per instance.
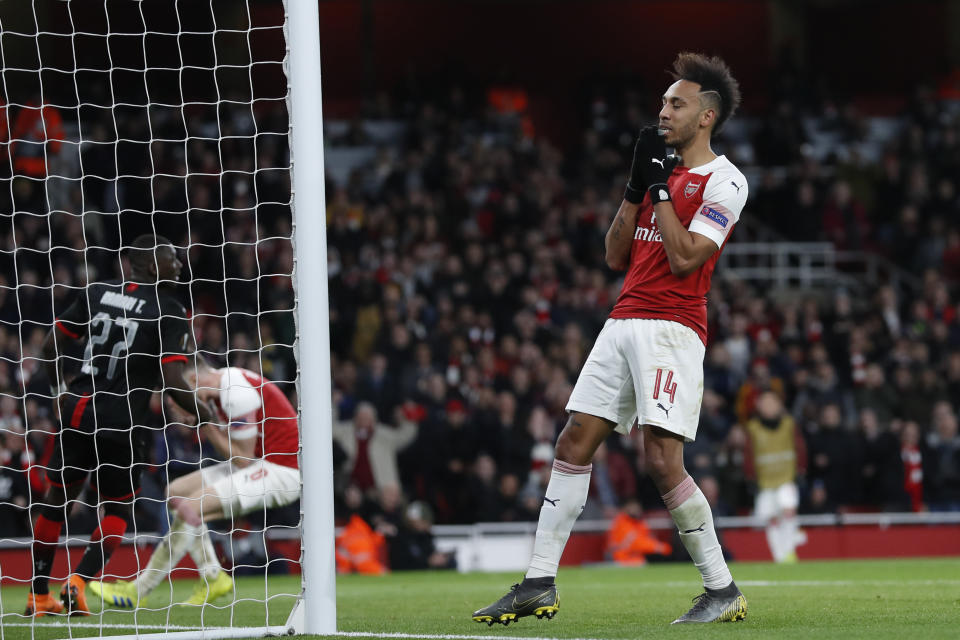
(316, 612)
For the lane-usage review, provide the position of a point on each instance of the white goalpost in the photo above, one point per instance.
(318, 607)
(198, 122)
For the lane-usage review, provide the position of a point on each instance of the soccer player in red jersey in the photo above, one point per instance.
(260, 471)
(646, 366)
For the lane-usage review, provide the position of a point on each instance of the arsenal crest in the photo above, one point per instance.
(691, 188)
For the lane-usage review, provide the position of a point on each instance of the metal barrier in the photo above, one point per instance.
(811, 265)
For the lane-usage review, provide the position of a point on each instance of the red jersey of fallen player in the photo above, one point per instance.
(708, 200)
(255, 407)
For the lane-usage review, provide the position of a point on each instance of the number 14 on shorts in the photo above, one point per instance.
(669, 386)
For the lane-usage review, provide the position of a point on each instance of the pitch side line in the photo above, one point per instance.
(810, 583)
(827, 583)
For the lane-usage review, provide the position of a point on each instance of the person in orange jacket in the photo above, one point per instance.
(360, 549)
(629, 540)
(37, 134)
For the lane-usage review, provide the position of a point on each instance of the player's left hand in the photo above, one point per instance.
(176, 414)
(207, 413)
(655, 165)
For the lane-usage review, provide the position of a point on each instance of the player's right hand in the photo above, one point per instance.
(655, 165)
(637, 185)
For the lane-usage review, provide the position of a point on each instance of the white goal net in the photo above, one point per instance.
(150, 354)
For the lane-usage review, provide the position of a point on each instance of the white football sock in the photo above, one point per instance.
(565, 498)
(167, 555)
(775, 541)
(204, 555)
(691, 513)
(789, 534)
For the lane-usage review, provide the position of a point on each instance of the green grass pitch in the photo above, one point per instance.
(839, 599)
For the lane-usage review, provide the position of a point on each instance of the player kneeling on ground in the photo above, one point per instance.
(260, 472)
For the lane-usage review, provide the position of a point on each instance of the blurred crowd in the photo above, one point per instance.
(467, 284)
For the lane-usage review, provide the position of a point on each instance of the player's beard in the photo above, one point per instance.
(680, 138)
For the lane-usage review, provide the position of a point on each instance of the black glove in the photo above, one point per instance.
(655, 165)
(636, 185)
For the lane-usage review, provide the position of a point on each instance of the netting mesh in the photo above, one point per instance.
(122, 119)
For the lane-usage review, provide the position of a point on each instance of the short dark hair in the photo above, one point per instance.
(712, 74)
(141, 252)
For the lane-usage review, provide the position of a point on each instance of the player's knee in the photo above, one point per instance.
(572, 447)
(52, 512)
(659, 467)
(186, 509)
(52, 505)
(174, 491)
(123, 510)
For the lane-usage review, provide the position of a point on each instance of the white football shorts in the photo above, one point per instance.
(260, 485)
(771, 503)
(645, 369)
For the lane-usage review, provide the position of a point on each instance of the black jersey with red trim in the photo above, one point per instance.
(126, 331)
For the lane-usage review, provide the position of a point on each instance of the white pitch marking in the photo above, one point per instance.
(362, 634)
(342, 634)
(94, 625)
(827, 583)
(807, 583)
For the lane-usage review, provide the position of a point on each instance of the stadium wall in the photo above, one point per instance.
(491, 548)
(507, 546)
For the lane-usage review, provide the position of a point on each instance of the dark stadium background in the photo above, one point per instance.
(467, 281)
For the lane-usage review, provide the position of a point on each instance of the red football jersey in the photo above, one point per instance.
(257, 408)
(708, 200)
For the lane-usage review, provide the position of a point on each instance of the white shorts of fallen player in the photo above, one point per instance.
(646, 370)
(259, 485)
(771, 503)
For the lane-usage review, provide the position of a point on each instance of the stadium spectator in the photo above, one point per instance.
(629, 540)
(943, 473)
(371, 447)
(834, 458)
(876, 395)
(456, 447)
(912, 455)
(485, 498)
(360, 549)
(882, 467)
(36, 138)
(412, 546)
(14, 484)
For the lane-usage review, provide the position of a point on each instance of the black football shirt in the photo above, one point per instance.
(126, 332)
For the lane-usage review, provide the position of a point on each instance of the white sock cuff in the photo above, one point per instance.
(679, 494)
(571, 469)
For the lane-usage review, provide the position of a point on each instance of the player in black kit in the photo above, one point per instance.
(133, 336)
